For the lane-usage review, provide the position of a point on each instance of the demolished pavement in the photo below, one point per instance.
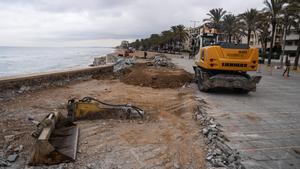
(219, 153)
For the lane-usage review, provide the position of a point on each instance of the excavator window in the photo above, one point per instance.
(208, 40)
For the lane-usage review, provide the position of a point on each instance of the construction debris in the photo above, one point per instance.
(4, 163)
(9, 155)
(166, 129)
(219, 153)
(9, 138)
(158, 73)
(18, 149)
(23, 89)
(162, 60)
(123, 63)
(102, 60)
(99, 61)
(12, 158)
(144, 75)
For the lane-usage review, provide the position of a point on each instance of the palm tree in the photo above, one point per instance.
(250, 19)
(145, 44)
(175, 40)
(273, 7)
(287, 20)
(180, 34)
(154, 41)
(167, 39)
(136, 44)
(215, 17)
(229, 26)
(241, 31)
(263, 31)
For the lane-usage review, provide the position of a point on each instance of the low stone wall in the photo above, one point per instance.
(12, 86)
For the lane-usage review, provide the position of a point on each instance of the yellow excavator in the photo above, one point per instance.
(224, 65)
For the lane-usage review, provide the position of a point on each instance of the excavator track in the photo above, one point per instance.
(241, 82)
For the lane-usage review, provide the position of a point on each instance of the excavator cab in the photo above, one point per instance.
(200, 41)
(208, 39)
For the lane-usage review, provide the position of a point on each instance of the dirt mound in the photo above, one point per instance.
(155, 77)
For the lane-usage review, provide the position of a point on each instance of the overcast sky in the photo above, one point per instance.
(100, 22)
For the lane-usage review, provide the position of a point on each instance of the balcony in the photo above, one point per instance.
(292, 37)
(291, 48)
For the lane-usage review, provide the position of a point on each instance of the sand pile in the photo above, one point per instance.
(155, 77)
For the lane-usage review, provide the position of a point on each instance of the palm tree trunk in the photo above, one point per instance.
(265, 48)
(296, 62)
(249, 34)
(255, 37)
(272, 41)
(283, 47)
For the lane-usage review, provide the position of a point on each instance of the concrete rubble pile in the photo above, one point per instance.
(219, 153)
(10, 153)
(123, 63)
(102, 60)
(162, 60)
(99, 61)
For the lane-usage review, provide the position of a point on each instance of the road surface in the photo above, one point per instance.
(263, 125)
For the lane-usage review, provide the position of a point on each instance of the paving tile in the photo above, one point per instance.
(276, 104)
(287, 141)
(271, 164)
(262, 144)
(255, 155)
(279, 154)
(291, 164)
(240, 145)
(250, 164)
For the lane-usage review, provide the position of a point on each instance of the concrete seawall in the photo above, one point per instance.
(11, 86)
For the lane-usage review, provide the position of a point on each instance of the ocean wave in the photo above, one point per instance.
(25, 60)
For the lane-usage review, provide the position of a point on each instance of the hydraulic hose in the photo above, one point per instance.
(88, 99)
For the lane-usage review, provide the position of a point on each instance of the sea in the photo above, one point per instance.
(28, 60)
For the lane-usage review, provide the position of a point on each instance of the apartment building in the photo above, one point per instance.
(291, 44)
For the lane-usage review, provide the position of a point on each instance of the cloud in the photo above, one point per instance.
(69, 22)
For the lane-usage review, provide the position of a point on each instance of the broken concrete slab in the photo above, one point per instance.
(9, 138)
(12, 158)
(4, 163)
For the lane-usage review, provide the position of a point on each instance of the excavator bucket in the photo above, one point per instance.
(56, 140)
